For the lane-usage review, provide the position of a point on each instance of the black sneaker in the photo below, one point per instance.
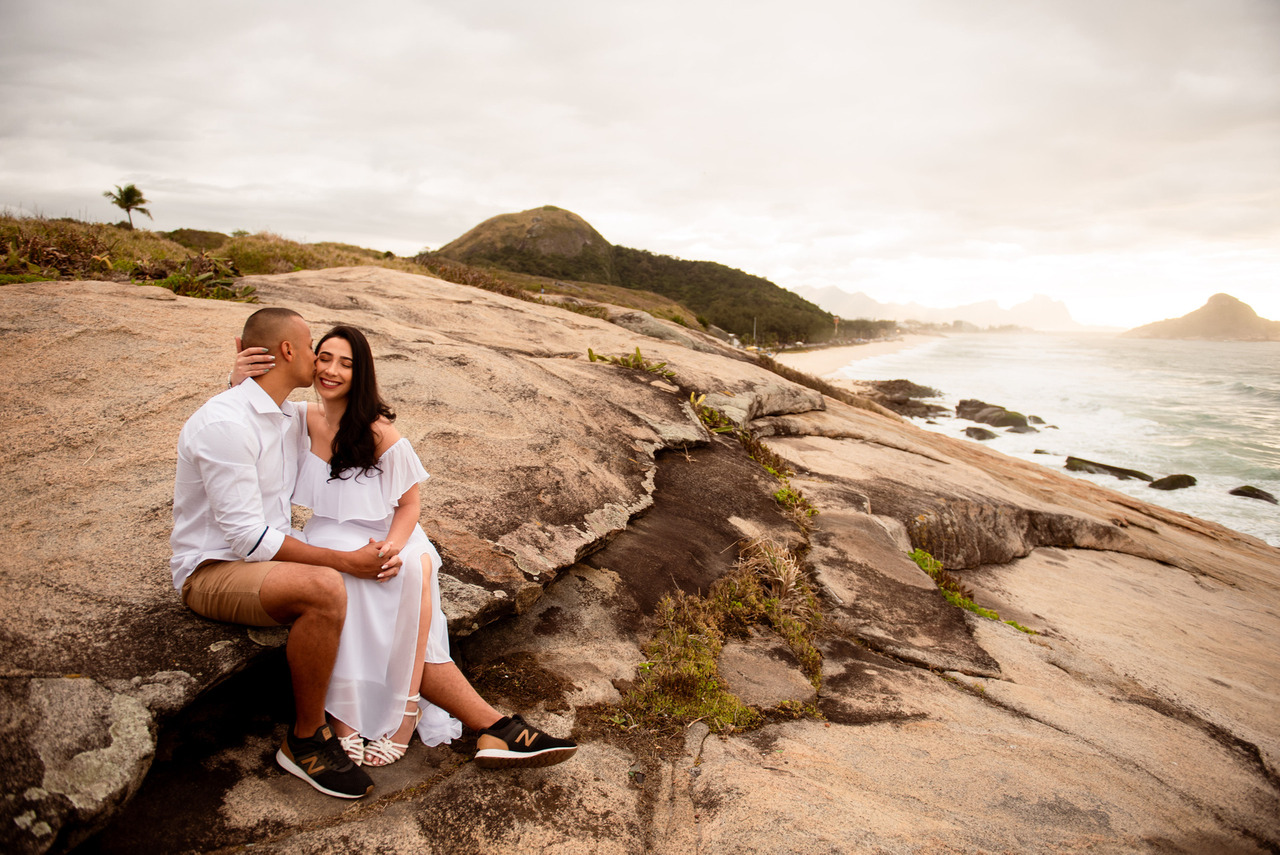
(511, 742)
(320, 761)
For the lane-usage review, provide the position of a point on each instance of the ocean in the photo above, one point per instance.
(1207, 409)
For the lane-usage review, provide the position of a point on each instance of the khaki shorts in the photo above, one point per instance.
(229, 591)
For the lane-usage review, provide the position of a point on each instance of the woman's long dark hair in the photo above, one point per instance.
(354, 445)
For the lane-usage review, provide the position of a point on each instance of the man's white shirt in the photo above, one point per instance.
(237, 465)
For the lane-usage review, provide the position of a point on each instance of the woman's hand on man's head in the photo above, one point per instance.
(250, 362)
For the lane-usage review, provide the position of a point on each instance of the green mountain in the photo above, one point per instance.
(1222, 318)
(550, 241)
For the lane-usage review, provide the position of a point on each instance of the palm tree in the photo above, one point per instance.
(129, 199)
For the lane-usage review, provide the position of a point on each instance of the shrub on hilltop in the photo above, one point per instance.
(186, 261)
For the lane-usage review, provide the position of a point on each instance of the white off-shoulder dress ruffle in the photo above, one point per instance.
(372, 675)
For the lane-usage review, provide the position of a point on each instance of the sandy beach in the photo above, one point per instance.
(821, 363)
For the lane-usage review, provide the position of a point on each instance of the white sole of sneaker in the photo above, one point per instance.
(294, 769)
(497, 758)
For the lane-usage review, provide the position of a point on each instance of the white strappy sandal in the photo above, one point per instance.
(353, 744)
(383, 749)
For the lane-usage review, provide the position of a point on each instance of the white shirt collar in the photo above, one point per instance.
(264, 403)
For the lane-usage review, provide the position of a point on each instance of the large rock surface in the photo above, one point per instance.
(567, 497)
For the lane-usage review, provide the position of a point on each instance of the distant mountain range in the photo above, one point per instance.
(1222, 318)
(1038, 313)
(556, 243)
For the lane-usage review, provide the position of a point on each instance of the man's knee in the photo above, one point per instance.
(327, 584)
(306, 588)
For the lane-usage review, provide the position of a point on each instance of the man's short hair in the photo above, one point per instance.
(268, 327)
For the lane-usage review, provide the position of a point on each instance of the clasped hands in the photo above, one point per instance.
(377, 560)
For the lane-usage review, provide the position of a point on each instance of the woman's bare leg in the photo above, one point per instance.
(405, 732)
(444, 685)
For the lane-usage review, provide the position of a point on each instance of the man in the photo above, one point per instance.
(233, 557)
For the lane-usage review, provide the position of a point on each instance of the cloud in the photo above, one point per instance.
(919, 146)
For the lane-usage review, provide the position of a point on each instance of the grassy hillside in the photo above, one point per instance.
(206, 264)
(555, 243)
(546, 241)
(728, 298)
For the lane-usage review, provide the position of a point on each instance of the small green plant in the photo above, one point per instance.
(679, 681)
(209, 277)
(714, 420)
(635, 361)
(794, 500)
(17, 278)
(956, 593)
(787, 496)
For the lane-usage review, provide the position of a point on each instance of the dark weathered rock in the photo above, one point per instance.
(1079, 464)
(1254, 493)
(903, 397)
(989, 414)
(1173, 482)
(1008, 418)
(904, 388)
(970, 407)
(1035, 420)
(979, 433)
(1022, 429)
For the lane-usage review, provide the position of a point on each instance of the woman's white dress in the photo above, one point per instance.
(371, 678)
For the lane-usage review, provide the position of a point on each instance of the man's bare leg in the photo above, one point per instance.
(314, 599)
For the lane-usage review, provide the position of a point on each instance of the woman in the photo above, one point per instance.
(360, 478)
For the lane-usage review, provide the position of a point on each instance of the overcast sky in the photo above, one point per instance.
(1120, 155)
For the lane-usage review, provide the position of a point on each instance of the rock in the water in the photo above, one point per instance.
(1022, 429)
(979, 433)
(1007, 418)
(989, 414)
(903, 397)
(1035, 420)
(1254, 493)
(1079, 464)
(904, 388)
(970, 407)
(1173, 482)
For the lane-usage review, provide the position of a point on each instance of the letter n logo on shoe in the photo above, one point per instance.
(527, 737)
(313, 764)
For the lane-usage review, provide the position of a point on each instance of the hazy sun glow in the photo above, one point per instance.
(1121, 158)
